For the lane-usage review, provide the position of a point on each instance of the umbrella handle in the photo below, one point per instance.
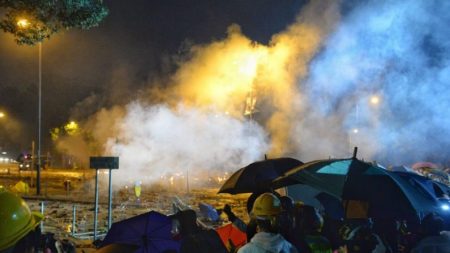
(355, 151)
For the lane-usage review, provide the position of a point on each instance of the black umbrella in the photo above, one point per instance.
(257, 176)
(365, 189)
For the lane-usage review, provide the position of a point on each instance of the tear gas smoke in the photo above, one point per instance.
(156, 140)
(313, 86)
(201, 123)
(398, 50)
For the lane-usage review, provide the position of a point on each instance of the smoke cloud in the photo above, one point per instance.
(376, 77)
(157, 140)
(229, 103)
(397, 51)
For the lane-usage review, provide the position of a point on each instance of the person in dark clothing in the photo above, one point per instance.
(363, 239)
(193, 237)
(286, 218)
(434, 238)
(307, 231)
(388, 232)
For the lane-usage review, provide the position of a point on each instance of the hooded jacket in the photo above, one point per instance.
(264, 242)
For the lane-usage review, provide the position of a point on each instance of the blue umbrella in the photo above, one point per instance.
(208, 211)
(151, 232)
(363, 187)
(403, 168)
(439, 192)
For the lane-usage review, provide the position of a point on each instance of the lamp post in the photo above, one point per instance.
(2, 115)
(38, 172)
(23, 23)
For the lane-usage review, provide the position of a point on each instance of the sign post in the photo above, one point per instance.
(97, 163)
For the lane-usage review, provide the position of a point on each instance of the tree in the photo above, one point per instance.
(41, 18)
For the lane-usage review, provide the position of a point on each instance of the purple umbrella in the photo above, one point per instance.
(151, 232)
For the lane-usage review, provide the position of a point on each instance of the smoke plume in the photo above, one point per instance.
(397, 52)
(375, 77)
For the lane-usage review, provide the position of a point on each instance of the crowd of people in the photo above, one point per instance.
(277, 225)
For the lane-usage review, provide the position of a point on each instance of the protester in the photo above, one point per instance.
(388, 231)
(434, 238)
(19, 230)
(408, 234)
(234, 219)
(265, 211)
(194, 238)
(307, 231)
(286, 218)
(330, 230)
(362, 238)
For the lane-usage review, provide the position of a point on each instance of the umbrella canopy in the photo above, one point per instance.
(151, 232)
(436, 190)
(257, 176)
(362, 186)
(403, 168)
(332, 206)
(117, 248)
(208, 212)
(231, 234)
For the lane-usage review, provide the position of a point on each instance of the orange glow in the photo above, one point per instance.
(233, 75)
(23, 23)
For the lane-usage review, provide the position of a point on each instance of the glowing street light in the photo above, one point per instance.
(374, 100)
(355, 130)
(2, 115)
(23, 23)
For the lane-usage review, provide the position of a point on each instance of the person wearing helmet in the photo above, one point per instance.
(19, 231)
(265, 210)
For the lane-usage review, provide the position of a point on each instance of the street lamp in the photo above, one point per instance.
(23, 23)
(374, 100)
(2, 115)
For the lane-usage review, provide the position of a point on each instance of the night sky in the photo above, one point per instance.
(109, 64)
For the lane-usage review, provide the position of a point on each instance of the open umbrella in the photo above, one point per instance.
(230, 234)
(151, 232)
(436, 190)
(208, 212)
(365, 189)
(117, 248)
(257, 176)
(332, 206)
(403, 168)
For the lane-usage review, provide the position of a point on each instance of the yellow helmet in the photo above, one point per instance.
(267, 204)
(16, 219)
